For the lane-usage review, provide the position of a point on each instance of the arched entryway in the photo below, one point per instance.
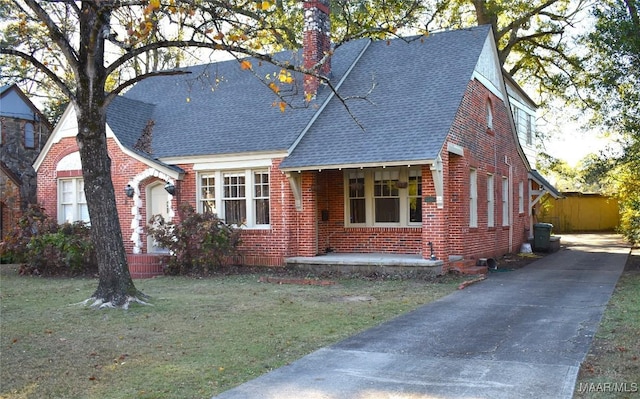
(158, 203)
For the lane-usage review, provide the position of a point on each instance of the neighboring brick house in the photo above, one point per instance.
(23, 132)
(428, 161)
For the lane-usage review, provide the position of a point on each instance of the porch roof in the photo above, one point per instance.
(544, 183)
(359, 165)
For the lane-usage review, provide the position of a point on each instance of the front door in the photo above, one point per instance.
(157, 204)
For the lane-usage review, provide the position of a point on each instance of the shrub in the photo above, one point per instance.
(44, 247)
(67, 251)
(14, 243)
(198, 244)
(630, 219)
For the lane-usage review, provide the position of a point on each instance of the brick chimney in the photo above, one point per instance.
(316, 42)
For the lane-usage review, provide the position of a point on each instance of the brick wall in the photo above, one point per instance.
(123, 171)
(263, 247)
(334, 236)
(493, 152)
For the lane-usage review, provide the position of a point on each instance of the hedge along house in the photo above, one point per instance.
(424, 167)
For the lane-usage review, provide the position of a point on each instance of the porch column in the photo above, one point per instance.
(435, 227)
(307, 228)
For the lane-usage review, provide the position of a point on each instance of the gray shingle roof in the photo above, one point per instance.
(220, 109)
(419, 86)
(128, 118)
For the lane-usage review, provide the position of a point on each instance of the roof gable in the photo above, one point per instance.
(413, 90)
(15, 104)
(488, 70)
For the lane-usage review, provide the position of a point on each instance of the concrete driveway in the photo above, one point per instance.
(518, 334)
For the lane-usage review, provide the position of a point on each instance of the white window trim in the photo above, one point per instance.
(370, 199)
(473, 198)
(491, 201)
(75, 204)
(489, 115)
(506, 218)
(201, 199)
(521, 197)
(249, 198)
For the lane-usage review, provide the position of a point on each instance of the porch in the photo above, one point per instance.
(364, 263)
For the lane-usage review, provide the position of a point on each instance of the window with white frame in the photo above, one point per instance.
(525, 124)
(383, 197)
(238, 197)
(357, 198)
(473, 198)
(521, 197)
(234, 200)
(261, 197)
(529, 132)
(489, 115)
(72, 205)
(490, 202)
(386, 196)
(415, 196)
(208, 193)
(505, 202)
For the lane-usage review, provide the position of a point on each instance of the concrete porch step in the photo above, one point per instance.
(366, 263)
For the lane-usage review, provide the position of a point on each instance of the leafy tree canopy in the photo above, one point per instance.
(532, 36)
(612, 91)
(150, 36)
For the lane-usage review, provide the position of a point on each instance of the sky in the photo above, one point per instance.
(567, 139)
(573, 145)
(565, 135)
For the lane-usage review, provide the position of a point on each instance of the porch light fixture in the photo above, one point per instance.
(170, 188)
(129, 191)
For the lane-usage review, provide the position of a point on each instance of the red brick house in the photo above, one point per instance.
(425, 166)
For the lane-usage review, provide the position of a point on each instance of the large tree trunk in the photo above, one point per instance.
(115, 287)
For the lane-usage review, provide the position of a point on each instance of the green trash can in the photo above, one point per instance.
(542, 236)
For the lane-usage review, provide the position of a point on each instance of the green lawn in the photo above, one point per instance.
(612, 367)
(200, 337)
(204, 336)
